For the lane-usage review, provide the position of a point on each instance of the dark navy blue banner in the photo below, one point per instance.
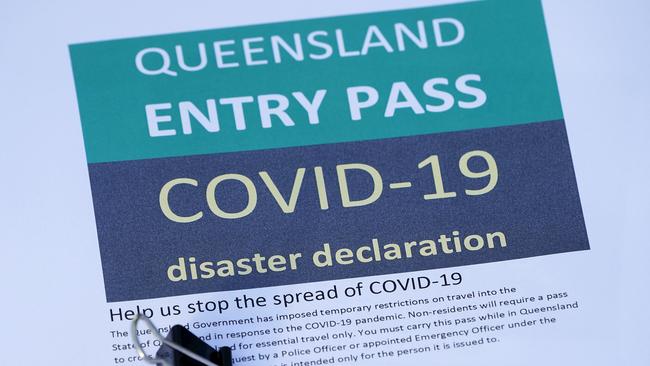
(527, 193)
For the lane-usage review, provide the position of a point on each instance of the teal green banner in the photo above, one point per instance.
(360, 77)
